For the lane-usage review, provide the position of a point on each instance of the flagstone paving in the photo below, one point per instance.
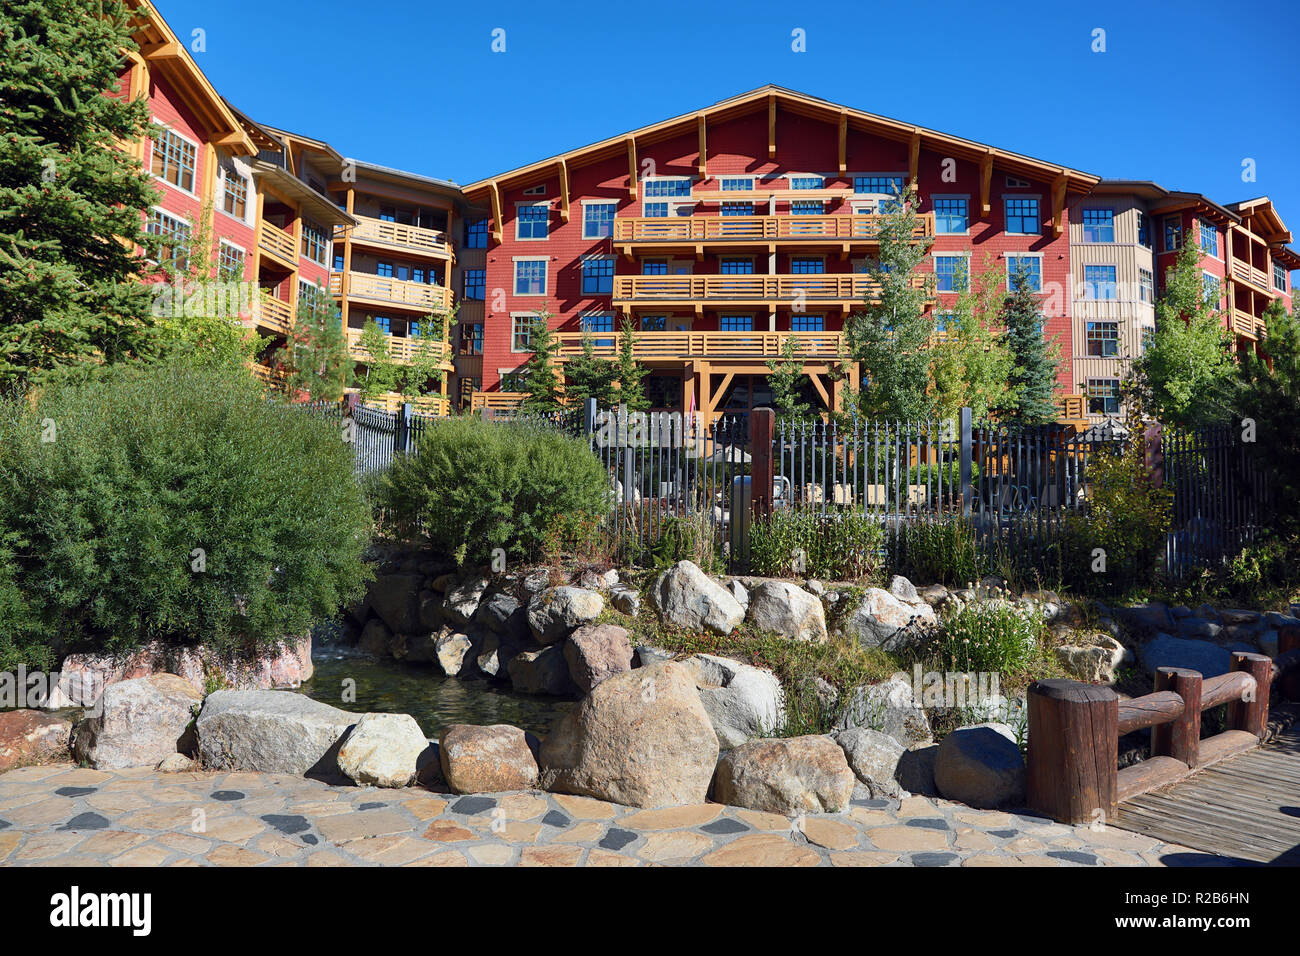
(64, 816)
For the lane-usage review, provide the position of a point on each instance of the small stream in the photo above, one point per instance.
(435, 701)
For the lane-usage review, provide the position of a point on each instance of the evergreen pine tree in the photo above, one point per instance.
(588, 376)
(315, 354)
(541, 381)
(1035, 359)
(71, 201)
(382, 373)
(629, 373)
(787, 381)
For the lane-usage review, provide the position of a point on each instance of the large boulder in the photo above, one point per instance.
(496, 652)
(30, 736)
(462, 600)
(395, 598)
(503, 614)
(874, 758)
(640, 738)
(555, 612)
(1095, 659)
(882, 620)
(595, 652)
(787, 776)
(788, 610)
(376, 638)
(139, 722)
(981, 766)
(456, 653)
(270, 731)
(1154, 617)
(890, 707)
(542, 671)
(903, 589)
(686, 597)
(1166, 651)
(487, 759)
(382, 750)
(741, 700)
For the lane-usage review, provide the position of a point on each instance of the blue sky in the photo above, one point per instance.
(1183, 93)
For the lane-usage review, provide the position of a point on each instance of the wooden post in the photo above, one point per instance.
(1252, 715)
(761, 427)
(1181, 738)
(1073, 751)
(1288, 639)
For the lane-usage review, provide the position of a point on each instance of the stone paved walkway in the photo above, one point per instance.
(64, 816)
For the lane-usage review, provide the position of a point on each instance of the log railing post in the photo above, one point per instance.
(1252, 715)
(1180, 738)
(1072, 764)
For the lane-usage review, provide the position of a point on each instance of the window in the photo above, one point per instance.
(318, 300)
(655, 210)
(1103, 396)
(521, 332)
(314, 242)
(1210, 288)
(384, 269)
(530, 277)
(807, 265)
(733, 184)
(533, 222)
(736, 267)
(536, 190)
(1279, 276)
(234, 194)
(175, 236)
(1146, 286)
(600, 322)
(1103, 339)
(807, 207)
(515, 381)
(1099, 225)
(476, 234)
(475, 283)
(1173, 233)
(807, 323)
(1144, 231)
(654, 267)
(338, 261)
(807, 182)
(950, 216)
(1022, 215)
(881, 185)
(941, 321)
(173, 159)
(654, 323)
(598, 276)
(1209, 237)
(738, 209)
(1031, 266)
(1015, 182)
(675, 188)
(736, 323)
(1099, 282)
(598, 219)
(384, 322)
(230, 262)
(951, 271)
(471, 339)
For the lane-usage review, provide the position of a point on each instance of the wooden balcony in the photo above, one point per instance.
(1072, 410)
(672, 346)
(278, 243)
(400, 350)
(503, 401)
(1243, 271)
(843, 289)
(393, 401)
(1243, 323)
(274, 378)
(723, 230)
(380, 289)
(275, 314)
(398, 237)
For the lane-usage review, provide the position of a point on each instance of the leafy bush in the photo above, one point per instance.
(796, 542)
(475, 486)
(994, 636)
(943, 551)
(171, 503)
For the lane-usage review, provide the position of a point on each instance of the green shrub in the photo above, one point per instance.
(475, 486)
(942, 551)
(796, 542)
(989, 636)
(175, 504)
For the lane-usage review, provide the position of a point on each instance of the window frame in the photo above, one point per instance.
(1036, 257)
(520, 220)
(610, 261)
(961, 256)
(1112, 283)
(516, 261)
(589, 204)
(1089, 338)
(1085, 225)
(964, 199)
(1036, 199)
(192, 189)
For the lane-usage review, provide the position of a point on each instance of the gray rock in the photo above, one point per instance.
(915, 772)
(140, 722)
(981, 766)
(1200, 628)
(496, 653)
(1278, 621)
(430, 611)
(1165, 650)
(1149, 617)
(542, 672)
(553, 613)
(903, 589)
(382, 750)
(739, 592)
(626, 601)
(375, 638)
(874, 758)
(1095, 658)
(176, 763)
(787, 776)
(889, 707)
(934, 594)
(1267, 642)
(787, 610)
(882, 620)
(463, 599)
(457, 653)
(396, 599)
(813, 586)
(270, 731)
(1208, 612)
(686, 597)
(647, 655)
(501, 613)
(742, 701)
(595, 652)
(1239, 616)
(1180, 611)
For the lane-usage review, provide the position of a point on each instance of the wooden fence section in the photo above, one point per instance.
(696, 229)
(1074, 731)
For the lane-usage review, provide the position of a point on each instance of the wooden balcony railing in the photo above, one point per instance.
(707, 344)
(1243, 323)
(279, 243)
(496, 400)
(1071, 408)
(395, 235)
(1245, 272)
(393, 401)
(723, 229)
(269, 376)
(275, 314)
(841, 287)
(400, 350)
(412, 295)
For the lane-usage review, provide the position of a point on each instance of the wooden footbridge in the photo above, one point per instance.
(1235, 794)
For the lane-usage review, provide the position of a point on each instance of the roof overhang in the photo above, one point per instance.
(311, 202)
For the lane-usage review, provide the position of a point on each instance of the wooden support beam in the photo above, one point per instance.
(844, 142)
(631, 167)
(704, 151)
(914, 157)
(986, 183)
(496, 210)
(1058, 204)
(821, 389)
(564, 190)
(167, 50)
(771, 127)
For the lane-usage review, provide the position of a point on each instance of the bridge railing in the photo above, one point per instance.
(1072, 765)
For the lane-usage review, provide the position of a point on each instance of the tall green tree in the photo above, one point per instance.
(787, 381)
(424, 375)
(889, 337)
(1186, 372)
(971, 365)
(382, 374)
(589, 376)
(541, 381)
(1035, 358)
(315, 354)
(1268, 408)
(629, 374)
(71, 202)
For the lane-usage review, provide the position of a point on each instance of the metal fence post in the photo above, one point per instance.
(964, 476)
(589, 417)
(402, 433)
(761, 426)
